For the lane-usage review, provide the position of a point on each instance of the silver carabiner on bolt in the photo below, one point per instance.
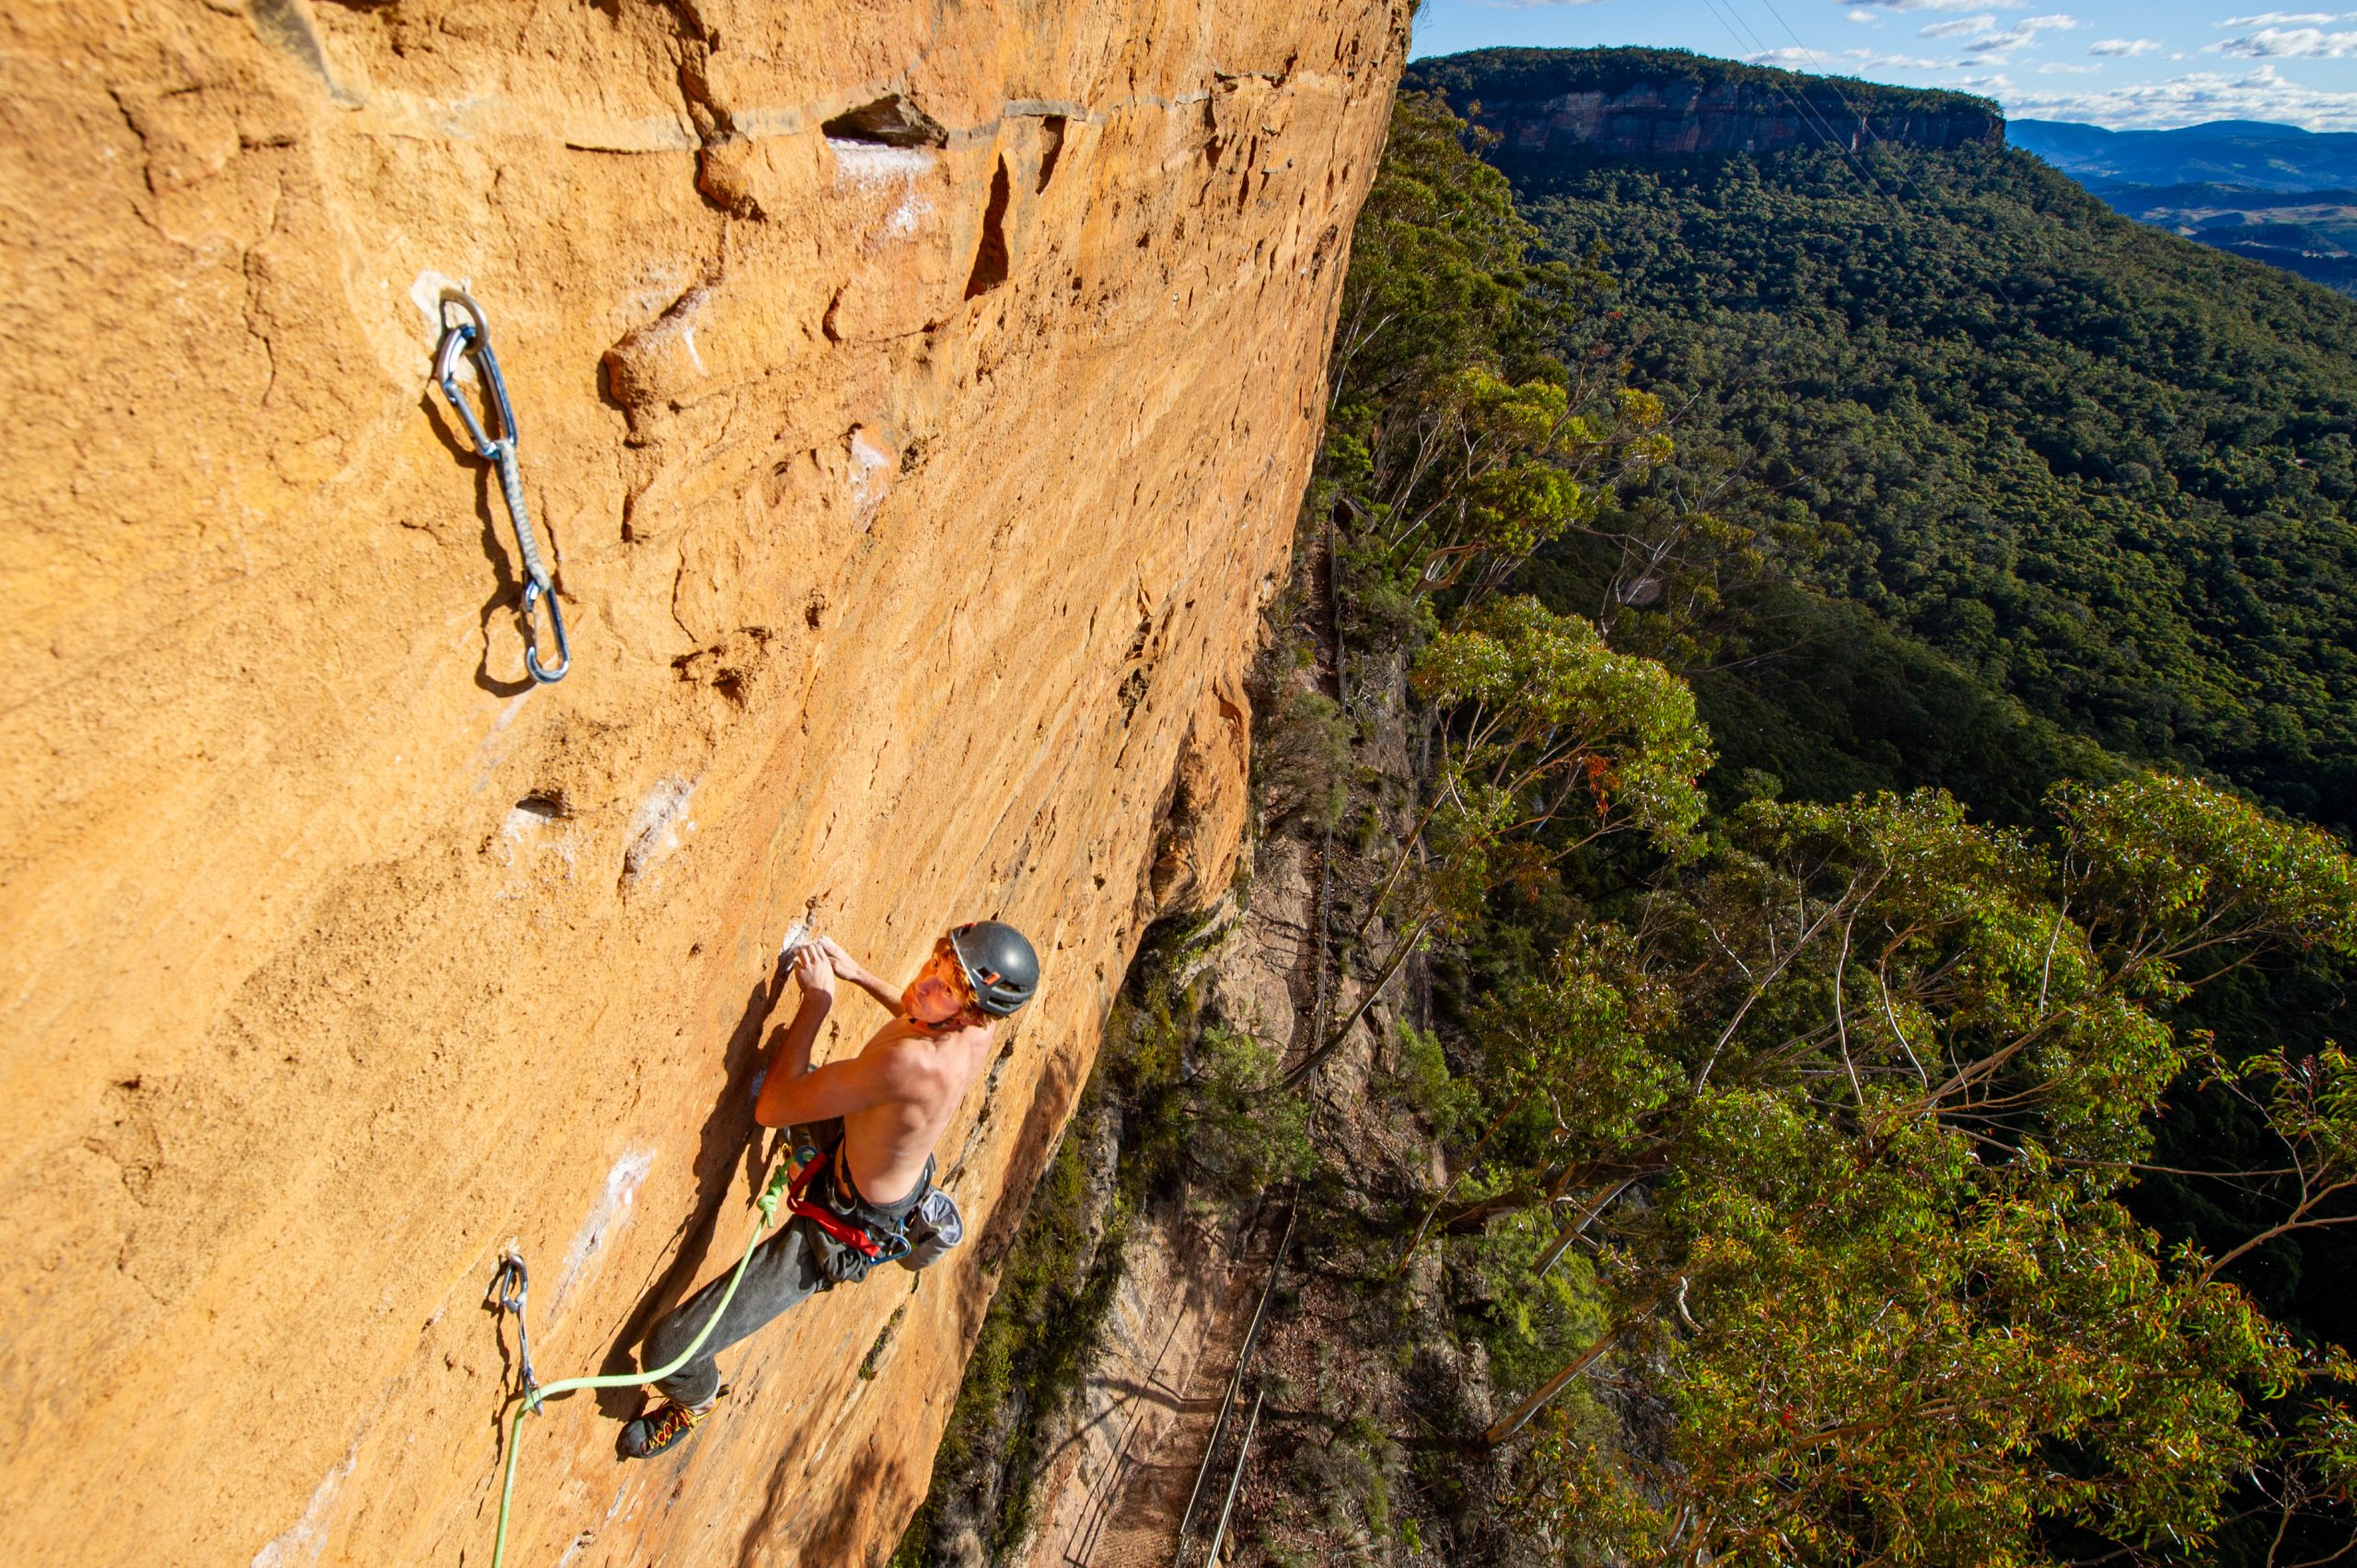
(509, 1287)
(472, 336)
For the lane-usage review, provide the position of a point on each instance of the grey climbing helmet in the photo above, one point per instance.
(999, 963)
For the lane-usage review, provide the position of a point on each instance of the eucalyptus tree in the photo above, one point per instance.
(1842, 1122)
(1547, 741)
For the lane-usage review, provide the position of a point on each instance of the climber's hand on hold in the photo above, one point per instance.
(790, 1056)
(859, 974)
(843, 963)
(815, 973)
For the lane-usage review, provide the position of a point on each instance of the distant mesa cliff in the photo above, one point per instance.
(1668, 103)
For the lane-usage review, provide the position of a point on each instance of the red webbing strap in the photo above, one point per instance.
(834, 1224)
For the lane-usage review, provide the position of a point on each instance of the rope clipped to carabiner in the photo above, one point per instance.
(535, 1393)
(472, 336)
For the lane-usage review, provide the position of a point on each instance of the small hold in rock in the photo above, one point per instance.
(1052, 147)
(991, 258)
(890, 121)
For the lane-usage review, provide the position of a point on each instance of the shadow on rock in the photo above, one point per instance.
(729, 1142)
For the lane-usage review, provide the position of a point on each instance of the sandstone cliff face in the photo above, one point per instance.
(915, 401)
(1670, 119)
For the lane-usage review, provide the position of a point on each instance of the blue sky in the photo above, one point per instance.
(2128, 64)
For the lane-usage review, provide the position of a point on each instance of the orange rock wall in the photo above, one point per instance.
(911, 507)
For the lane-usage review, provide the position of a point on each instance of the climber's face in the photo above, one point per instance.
(939, 993)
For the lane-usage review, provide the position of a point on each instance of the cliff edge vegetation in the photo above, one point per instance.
(1842, 855)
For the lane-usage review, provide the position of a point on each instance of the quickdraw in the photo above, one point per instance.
(472, 336)
(535, 1393)
(508, 1289)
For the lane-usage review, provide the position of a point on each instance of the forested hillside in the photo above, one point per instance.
(2108, 471)
(1957, 501)
(1967, 484)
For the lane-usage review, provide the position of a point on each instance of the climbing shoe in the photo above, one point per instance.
(662, 1428)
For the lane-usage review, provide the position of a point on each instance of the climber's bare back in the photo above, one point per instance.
(885, 1143)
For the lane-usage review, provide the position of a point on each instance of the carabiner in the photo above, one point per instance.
(534, 593)
(508, 1288)
(472, 336)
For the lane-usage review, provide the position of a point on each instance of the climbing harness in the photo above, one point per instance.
(535, 1394)
(472, 336)
(846, 1227)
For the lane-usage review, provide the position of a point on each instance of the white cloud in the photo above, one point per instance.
(2285, 19)
(2194, 97)
(2289, 43)
(2021, 35)
(2124, 47)
(1963, 26)
(1856, 59)
(1865, 18)
(2062, 68)
(1943, 5)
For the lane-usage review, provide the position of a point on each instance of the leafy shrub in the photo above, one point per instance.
(1303, 760)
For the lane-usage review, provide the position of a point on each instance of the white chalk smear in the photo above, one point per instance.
(610, 1214)
(307, 1536)
(489, 754)
(582, 1541)
(529, 826)
(678, 322)
(871, 166)
(657, 827)
(868, 462)
(871, 163)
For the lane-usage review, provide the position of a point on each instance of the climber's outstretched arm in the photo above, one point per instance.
(852, 969)
(790, 1057)
(876, 1076)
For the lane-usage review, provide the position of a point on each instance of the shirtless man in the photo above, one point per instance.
(893, 1101)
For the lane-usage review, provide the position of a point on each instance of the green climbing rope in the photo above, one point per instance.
(534, 1394)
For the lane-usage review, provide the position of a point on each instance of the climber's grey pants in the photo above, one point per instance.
(787, 1269)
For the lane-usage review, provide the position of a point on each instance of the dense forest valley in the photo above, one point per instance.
(1821, 689)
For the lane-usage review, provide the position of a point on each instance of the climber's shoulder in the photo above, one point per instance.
(908, 1054)
(911, 1057)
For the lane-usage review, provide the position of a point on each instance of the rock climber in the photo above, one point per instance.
(872, 1121)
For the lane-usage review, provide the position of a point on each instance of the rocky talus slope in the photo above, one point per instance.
(915, 403)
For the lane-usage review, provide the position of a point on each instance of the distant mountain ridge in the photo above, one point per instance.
(2249, 154)
(1671, 103)
(2223, 184)
(2274, 193)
